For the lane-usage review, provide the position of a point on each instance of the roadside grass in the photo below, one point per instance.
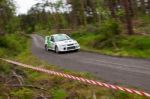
(128, 46)
(48, 86)
(142, 24)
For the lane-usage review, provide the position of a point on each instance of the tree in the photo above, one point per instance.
(143, 7)
(78, 11)
(148, 6)
(128, 17)
(112, 6)
(7, 11)
(131, 8)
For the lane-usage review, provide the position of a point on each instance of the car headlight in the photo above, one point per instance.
(76, 44)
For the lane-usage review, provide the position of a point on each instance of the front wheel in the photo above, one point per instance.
(57, 50)
(77, 50)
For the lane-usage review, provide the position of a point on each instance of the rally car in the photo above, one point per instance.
(61, 43)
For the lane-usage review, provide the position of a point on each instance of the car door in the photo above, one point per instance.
(48, 42)
(52, 43)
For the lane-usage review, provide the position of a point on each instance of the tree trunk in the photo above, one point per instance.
(131, 7)
(111, 4)
(93, 7)
(148, 6)
(143, 7)
(128, 17)
(134, 6)
(83, 16)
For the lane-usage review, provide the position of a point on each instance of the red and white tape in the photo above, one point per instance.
(83, 80)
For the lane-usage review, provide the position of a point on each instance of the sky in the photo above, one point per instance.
(24, 5)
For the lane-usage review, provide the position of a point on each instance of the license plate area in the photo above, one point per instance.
(71, 48)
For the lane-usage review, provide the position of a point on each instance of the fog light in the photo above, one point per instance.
(64, 48)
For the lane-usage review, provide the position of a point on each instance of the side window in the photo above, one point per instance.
(52, 39)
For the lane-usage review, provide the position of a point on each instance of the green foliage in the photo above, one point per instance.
(7, 10)
(120, 13)
(63, 22)
(145, 19)
(123, 95)
(14, 42)
(142, 24)
(13, 25)
(59, 94)
(23, 93)
(110, 28)
(109, 33)
(136, 42)
(114, 43)
(104, 35)
(2, 52)
(5, 69)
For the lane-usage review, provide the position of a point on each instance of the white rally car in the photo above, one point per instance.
(61, 43)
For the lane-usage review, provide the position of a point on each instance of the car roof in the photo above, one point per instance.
(57, 34)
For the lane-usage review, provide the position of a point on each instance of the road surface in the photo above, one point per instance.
(115, 70)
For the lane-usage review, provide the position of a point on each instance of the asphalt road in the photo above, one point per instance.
(115, 70)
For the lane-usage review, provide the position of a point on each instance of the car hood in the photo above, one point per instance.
(66, 42)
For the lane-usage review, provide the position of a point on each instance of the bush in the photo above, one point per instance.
(109, 34)
(92, 28)
(110, 28)
(23, 93)
(136, 42)
(14, 42)
(142, 24)
(59, 94)
(5, 69)
(2, 52)
(101, 36)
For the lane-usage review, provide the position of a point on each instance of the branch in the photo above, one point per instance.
(18, 77)
(29, 86)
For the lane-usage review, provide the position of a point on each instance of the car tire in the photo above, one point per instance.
(46, 48)
(56, 50)
(77, 50)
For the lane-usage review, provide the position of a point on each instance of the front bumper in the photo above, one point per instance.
(69, 48)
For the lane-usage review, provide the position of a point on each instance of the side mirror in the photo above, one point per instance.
(52, 40)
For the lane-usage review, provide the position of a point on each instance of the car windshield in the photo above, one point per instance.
(61, 37)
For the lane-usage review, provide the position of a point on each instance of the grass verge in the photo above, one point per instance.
(125, 46)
